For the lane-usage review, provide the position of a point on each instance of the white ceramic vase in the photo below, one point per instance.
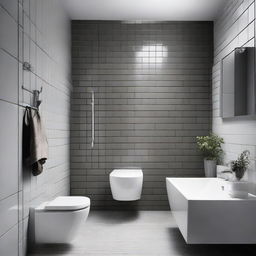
(210, 168)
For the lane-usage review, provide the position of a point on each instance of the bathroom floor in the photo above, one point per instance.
(143, 233)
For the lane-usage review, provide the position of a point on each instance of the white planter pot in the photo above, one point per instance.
(210, 168)
(238, 189)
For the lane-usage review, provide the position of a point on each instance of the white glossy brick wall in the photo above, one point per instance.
(233, 28)
(37, 32)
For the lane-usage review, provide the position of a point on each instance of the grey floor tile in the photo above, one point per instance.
(143, 233)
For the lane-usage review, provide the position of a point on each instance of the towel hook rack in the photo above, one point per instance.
(32, 92)
(36, 93)
(28, 106)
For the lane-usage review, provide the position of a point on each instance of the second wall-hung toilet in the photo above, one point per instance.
(126, 184)
(57, 221)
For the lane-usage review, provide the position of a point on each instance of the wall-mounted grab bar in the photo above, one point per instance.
(92, 103)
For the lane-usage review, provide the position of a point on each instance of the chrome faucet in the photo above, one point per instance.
(223, 172)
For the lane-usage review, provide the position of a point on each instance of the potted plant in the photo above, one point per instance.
(210, 146)
(239, 188)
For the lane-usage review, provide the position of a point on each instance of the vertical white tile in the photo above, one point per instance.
(8, 33)
(9, 149)
(9, 243)
(8, 77)
(26, 6)
(11, 7)
(251, 13)
(8, 213)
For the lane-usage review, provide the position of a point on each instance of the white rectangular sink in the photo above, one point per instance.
(206, 214)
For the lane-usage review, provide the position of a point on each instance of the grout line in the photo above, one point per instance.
(9, 230)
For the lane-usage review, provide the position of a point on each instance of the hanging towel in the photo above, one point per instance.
(34, 141)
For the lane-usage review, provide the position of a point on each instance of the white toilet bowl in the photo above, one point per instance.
(57, 221)
(126, 184)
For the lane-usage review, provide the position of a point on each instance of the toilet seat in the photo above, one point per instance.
(68, 203)
(126, 173)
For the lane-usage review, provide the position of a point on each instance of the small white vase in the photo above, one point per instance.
(210, 168)
(239, 189)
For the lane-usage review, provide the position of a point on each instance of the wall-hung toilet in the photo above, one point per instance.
(57, 221)
(126, 184)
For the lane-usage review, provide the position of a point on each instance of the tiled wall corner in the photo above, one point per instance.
(9, 175)
(31, 31)
(233, 28)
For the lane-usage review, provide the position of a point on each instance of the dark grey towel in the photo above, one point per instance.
(34, 141)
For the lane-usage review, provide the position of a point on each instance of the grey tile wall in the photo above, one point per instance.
(233, 28)
(31, 31)
(152, 84)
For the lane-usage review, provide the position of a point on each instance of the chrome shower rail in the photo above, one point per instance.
(92, 103)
